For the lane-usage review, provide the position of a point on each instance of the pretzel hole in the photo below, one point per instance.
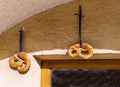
(74, 51)
(23, 65)
(84, 52)
(16, 60)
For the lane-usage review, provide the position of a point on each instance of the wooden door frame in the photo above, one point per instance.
(49, 62)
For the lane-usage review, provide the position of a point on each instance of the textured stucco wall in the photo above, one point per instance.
(14, 11)
(57, 28)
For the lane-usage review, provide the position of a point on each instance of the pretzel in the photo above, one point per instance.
(22, 64)
(15, 61)
(85, 52)
(26, 66)
(74, 50)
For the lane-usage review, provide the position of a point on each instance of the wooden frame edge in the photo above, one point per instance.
(62, 57)
(45, 77)
(47, 63)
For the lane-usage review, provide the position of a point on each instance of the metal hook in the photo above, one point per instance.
(80, 22)
(20, 40)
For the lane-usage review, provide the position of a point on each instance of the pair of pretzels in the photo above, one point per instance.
(85, 52)
(21, 63)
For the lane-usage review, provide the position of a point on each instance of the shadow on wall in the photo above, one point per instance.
(57, 28)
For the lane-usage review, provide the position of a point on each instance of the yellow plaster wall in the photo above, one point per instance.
(57, 28)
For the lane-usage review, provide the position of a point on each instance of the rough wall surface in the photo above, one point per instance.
(58, 28)
(14, 11)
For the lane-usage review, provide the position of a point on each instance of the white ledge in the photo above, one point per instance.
(63, 52)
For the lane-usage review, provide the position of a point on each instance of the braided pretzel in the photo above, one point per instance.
(74, 50)
(15, 61)
(22, 64)
(85, 52)
(26, 66)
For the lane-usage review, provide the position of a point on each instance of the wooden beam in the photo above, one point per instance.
(81, 64)
(63, 57)
(45, 77)
(64, 62)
